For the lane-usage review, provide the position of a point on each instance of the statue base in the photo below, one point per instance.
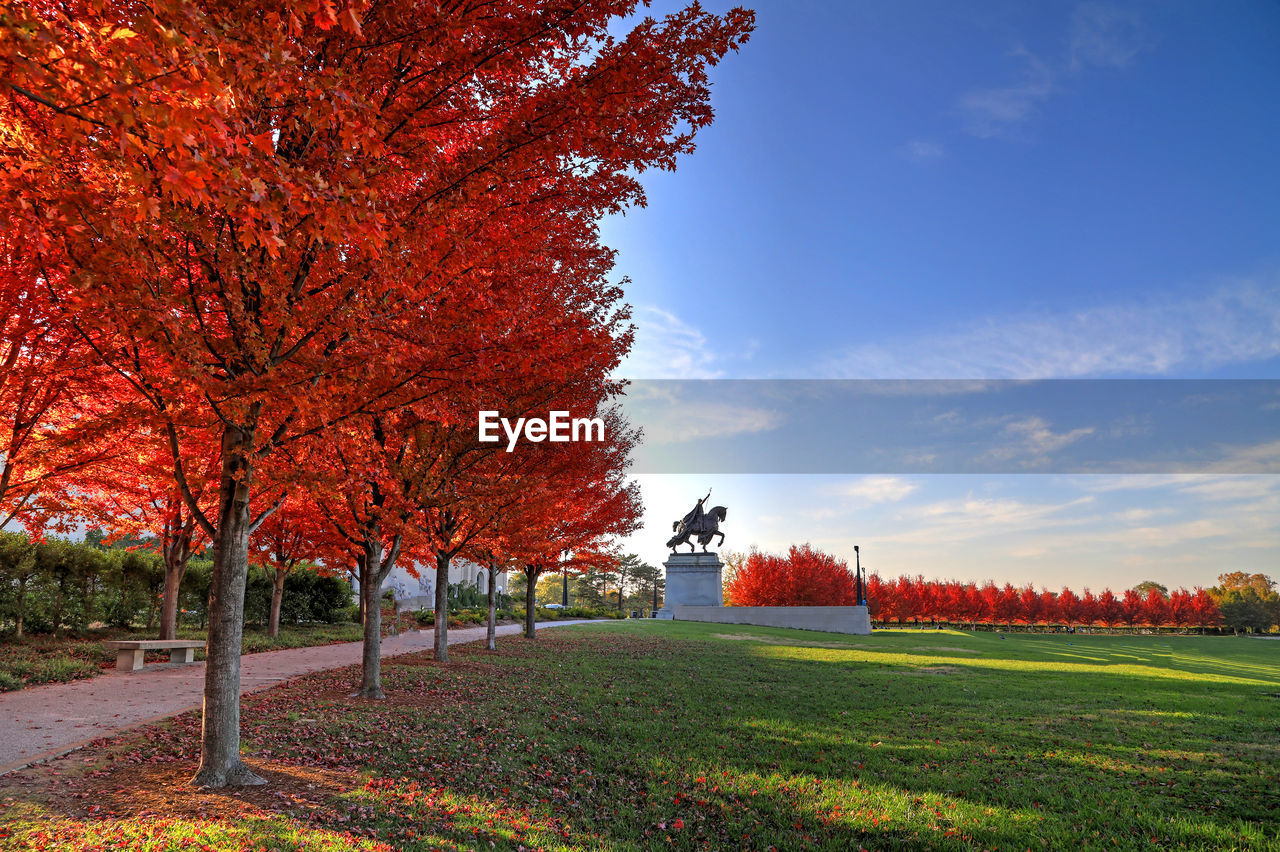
(693, 579)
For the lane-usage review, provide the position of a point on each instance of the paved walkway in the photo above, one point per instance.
(45, 721)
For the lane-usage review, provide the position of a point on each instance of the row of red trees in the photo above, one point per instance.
(808, 577)
(917, 599)
(261, 268)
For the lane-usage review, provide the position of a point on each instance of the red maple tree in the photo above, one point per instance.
(804, 576)
(305, 221)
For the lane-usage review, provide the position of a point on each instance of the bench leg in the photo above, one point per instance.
(128, 661)
(182, 655)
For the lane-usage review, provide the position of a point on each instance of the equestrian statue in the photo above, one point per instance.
(703, 524)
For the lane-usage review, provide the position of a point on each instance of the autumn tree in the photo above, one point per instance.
(1181, 610)
(52, 392)
(573, 506)
(291, 538)
(1029, 605)
(1110, 608)
(276, 219)
(1205, 612)
(360, 495)
(804, 576)
(1131, 607)
(136, 495)
(1155, 606)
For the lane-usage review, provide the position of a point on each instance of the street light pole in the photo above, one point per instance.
(858, 572)
(564, 576)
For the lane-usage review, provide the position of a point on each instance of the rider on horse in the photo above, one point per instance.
(693, 521)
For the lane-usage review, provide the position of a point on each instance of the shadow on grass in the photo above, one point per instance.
(633, 738)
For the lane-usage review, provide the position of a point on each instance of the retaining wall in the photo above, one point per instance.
(831, 619)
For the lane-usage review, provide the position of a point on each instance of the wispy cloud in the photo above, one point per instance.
(1238, 323)
(922, 151)
(992, 112)
(1104, 36)
(972, 517)
(1258, 458)
(719, 420)
(1100, 37)
(879, 489)
(667, 347)
(1033, 438)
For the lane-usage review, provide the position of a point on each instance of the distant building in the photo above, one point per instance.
(404, 585)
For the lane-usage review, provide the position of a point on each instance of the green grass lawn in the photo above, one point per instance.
(646, 734)
(55, 659)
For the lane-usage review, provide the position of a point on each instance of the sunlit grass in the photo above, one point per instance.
(643, 734)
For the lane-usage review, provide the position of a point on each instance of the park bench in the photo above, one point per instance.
(129, 652)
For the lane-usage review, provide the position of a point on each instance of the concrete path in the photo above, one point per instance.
(45, 721)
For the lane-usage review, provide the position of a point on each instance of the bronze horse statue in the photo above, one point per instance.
(705, 525)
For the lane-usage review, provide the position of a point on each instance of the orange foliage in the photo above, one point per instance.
(803, 577)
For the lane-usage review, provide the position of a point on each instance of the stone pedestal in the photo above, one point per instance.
(693, 579)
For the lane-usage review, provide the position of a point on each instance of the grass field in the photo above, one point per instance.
(647, 734)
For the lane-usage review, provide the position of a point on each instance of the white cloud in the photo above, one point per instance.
(1100, 36)
(879, 489)
(1260, 458)
(1104, 36)
(974, 518)
(923, 151)
(992, 112)
(1038, 438)
(666, 347)
(673, 425)
(1239, 323)
(1232, 488)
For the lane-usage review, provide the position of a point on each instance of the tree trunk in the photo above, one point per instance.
(86, 616)
(442, 606)
(530, 602)
(371, 597)
(277, 595)
(491, 634)
(176, 555)
(57, 606)
(220, 764)
(21, 605)
(360, 597)
(174, 570)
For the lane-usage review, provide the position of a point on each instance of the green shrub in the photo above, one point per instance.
(8, 682)
(590, 612)
(308, 597)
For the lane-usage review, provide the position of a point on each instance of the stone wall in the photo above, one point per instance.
(831, 619)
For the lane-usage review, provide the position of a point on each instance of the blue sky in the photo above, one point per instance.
(978, 191)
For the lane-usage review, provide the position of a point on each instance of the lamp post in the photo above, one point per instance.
(564, 577)
(858, 573)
